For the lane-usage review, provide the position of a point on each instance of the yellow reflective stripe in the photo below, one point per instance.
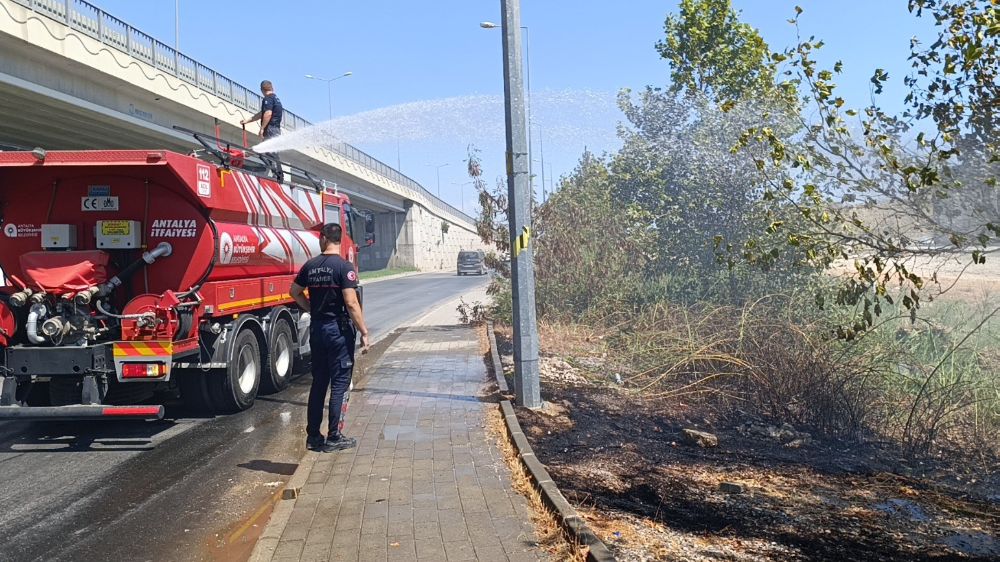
(239, 304)
(521, 242)
(144, 349)
(251, 302)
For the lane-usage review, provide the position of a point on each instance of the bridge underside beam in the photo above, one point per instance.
(40, 116)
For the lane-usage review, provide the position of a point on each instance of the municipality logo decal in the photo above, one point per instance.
(10, 230)
(225, 248)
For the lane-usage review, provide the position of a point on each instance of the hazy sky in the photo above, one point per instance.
(581, 53)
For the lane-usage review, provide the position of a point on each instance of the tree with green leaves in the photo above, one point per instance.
(588, 249)
(713, 54)
(876, 191)
(676, 170)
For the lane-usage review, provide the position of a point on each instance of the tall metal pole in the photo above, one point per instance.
(552, 181)
(541, 153)
(177, 26)
(329, 101)
(527, 75)
(329, 97)
(526, 385)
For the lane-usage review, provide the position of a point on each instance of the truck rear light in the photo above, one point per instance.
(143, 370)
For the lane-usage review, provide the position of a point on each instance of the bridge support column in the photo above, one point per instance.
(384, 252)
(407, 239)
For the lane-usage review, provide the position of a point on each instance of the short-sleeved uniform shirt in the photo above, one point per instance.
(273, 104)
(326, 276)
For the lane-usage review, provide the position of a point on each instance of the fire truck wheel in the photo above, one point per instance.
(235, 388)
(280, 358)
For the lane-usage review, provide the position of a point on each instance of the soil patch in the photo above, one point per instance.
(759, 493)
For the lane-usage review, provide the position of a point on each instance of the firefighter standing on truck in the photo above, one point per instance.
(336, 319)
(271, 112)
(270, 116)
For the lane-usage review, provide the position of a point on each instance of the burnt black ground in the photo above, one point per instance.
(173, 489)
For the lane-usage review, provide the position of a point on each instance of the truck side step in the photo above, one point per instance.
(81, 412)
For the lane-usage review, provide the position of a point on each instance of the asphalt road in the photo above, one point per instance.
(184, 488)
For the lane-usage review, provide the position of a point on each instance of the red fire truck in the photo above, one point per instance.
(134, 275)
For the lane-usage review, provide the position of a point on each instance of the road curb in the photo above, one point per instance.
(569, 519)
(267, 544)
(495, 357)
(391, 277)
(402, 275)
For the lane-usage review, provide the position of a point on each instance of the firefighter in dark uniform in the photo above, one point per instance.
(336, 320)
(270, 116)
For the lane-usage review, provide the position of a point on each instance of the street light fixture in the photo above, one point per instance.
(462, 187)
(439, 175)
(329, 84)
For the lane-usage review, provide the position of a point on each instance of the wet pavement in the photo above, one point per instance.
(185, 488)
(426, 481)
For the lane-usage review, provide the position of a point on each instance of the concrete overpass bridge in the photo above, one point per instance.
(75, 77)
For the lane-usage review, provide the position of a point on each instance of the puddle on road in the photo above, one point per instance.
(236, 542)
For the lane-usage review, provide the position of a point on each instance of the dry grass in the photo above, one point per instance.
(548, 531)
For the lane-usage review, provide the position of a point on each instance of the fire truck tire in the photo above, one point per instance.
(194, 390)
(122, 394)
(280, 362)
(235, 388)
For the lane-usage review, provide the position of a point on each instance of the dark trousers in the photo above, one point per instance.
(332, 346)
(269, 133)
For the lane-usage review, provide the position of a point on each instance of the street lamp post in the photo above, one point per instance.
(526, 384)
(439, 175)
(541, 153)
(329, 96)
(462, 188)
(527, 69)
(552, 178)
(329, 87)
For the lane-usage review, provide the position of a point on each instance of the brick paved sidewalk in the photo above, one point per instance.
(426, 482)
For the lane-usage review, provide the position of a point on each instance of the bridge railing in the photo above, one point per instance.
(90, 20)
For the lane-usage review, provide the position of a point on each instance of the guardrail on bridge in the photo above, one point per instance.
(90, 20)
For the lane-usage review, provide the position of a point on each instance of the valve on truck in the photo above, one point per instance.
(163, 249)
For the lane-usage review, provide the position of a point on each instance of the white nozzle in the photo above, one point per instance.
(31, 326)
(162, 250)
